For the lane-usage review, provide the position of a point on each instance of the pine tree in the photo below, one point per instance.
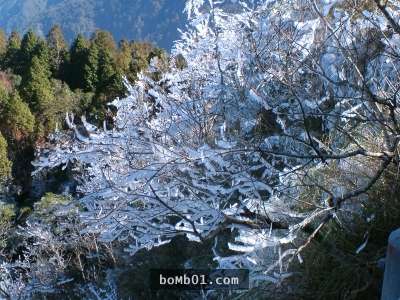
(108, 82)
(76, 66)
(101, 61)
(29, 46)
(104, 40)
(58, 49)
(56, 40)
(37, 91)
(109, 75)
(90, 71)
(10, 60)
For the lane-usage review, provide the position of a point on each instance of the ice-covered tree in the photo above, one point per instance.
(281, 104)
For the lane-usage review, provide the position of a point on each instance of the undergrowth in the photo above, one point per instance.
(332, 268)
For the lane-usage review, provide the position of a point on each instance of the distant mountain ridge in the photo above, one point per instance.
(152, 20)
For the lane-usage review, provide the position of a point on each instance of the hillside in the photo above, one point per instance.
(152, 20)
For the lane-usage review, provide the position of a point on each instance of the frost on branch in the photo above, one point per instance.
(145, 184)
(276, 97)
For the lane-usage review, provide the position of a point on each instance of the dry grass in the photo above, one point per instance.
(332, 269)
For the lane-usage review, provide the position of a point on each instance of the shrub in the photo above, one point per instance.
(7, 214)
(335, 265)
(5, 164)
(19, 120)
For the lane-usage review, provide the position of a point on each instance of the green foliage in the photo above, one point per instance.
(58, 50)
(44, 209)
(41, 80)
(75, 69)
(37, 88)
(103, 62)
(109, 82)
(29, 48)
(55, 39)
(18, 120)
(7, 212)
(50, 99)
(124, 56)
(97, 66)
(105, 41)
(65, 100)
(91, 68)
(84, 101)
(5, 164)
(140, 53)
(50, 200)
(7, 215)
(3, 95)
(10, 59)
(106, 70)
(3, 43)
(41, 92)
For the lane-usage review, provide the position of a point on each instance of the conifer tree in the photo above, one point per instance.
(104, 40)
(56, 40)
(38, 90)
(124, 56)
(10, 60)
(58, 49)
(109, 84)
(76, 66)
(101, 74)
(29, 46)
(90, 71)
(109, 75)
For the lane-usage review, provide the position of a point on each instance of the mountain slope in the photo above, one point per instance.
(153, 20)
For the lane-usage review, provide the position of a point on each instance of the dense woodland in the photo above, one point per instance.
(268, 140)
(141, 20)
(42, 79)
